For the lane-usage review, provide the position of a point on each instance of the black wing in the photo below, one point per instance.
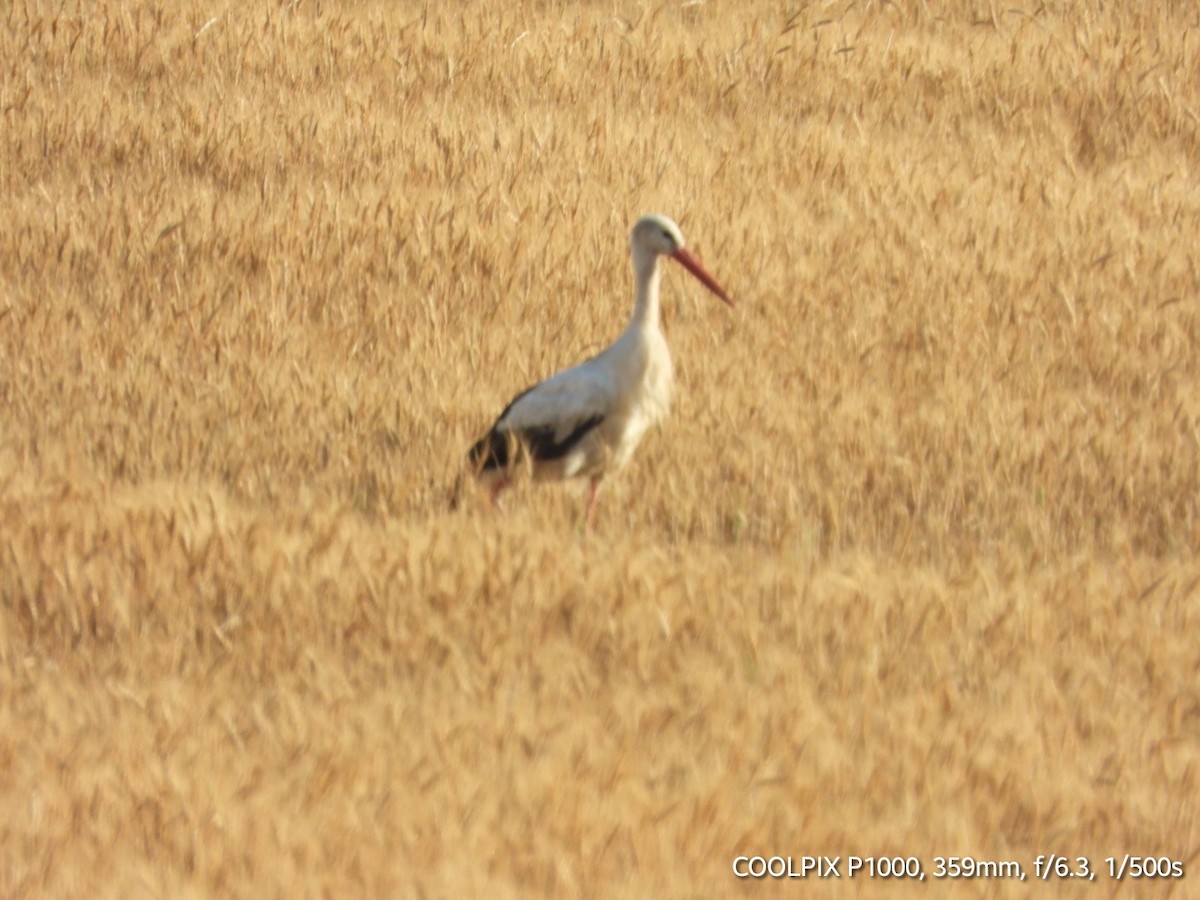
(545, 421)
(503, 447)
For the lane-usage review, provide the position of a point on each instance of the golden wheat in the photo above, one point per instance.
(911, 569)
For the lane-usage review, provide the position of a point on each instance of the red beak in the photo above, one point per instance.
(692, 264)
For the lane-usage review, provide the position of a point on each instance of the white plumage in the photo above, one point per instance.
(587, 420)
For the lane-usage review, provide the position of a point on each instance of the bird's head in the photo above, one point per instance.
(655, 236)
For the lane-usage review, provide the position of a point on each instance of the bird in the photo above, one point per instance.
(586, 421)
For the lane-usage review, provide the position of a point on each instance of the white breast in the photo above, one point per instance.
(642, 368)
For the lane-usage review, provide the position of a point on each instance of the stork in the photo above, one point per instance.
(586, 421)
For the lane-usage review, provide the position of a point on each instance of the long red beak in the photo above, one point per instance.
(693, 265)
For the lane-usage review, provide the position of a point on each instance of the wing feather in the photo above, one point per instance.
(546, 420)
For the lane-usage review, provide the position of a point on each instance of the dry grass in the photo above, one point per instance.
(912, 569)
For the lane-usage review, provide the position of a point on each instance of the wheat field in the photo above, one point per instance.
(911, 569)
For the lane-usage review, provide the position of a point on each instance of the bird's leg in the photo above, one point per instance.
(590, 516)
(497, 488)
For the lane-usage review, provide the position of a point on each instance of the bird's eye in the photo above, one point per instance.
(667, 235)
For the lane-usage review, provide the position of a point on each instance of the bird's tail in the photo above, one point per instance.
(493, 454)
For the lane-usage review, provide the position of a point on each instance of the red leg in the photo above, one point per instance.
(497, 488)
(593, 493)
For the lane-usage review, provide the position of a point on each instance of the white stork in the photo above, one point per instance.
(587, 420)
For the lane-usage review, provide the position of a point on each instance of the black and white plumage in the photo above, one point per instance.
(587, 420)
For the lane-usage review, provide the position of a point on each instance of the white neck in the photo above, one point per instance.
(645, 306)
